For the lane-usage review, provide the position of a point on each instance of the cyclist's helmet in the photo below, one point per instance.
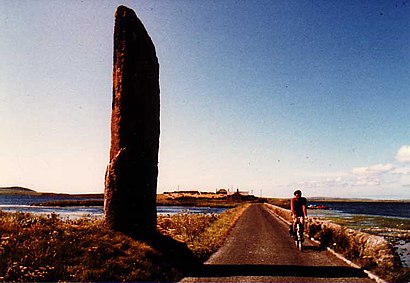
(298, 192)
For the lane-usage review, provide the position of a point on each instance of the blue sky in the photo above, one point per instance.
(264, 96)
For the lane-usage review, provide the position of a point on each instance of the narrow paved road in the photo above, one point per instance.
(259, 249)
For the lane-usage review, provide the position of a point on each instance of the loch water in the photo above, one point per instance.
(375, 208)
(18, 203)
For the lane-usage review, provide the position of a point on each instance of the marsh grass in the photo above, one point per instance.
(47, 248)
(373, 224)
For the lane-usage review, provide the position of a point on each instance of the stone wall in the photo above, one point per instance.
(371, 252)
(279, 211)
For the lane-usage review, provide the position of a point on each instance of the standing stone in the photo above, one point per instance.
(131, 177)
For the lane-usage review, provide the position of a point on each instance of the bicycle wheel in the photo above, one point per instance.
(299, 245)
(299, 233)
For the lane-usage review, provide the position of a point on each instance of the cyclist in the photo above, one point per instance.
(298, 208)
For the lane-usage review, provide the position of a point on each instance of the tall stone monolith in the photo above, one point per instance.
(131, 176)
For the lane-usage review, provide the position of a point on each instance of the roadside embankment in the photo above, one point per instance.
(373, 253)
(203, 234)
(37, 248)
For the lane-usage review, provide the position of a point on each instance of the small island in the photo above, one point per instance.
(220, 198)
(17, 191)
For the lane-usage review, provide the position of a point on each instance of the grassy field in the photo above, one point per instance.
(38, 248)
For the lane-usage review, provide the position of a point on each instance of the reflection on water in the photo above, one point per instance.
(63, 212)
(22, 203)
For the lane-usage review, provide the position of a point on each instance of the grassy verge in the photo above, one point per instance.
(38, 248)
(203, 234)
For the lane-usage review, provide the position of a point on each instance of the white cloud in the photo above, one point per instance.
(402, 171)
(405, 180)
(403, 155)
(373, 170)
(330, 182)
(360, 180)
(367, 181)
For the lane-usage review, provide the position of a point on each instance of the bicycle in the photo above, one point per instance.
(299, 229)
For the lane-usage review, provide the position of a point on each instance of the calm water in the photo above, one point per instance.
(377, 218)
(17, 203)
(400, 210)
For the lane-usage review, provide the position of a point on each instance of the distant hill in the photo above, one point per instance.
(17, 191)
(330, 199)
(24, 191)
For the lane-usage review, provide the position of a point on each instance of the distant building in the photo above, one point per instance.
(235, 197)
(189, 192)
(240, 196)
(242, 193)
(222, 191)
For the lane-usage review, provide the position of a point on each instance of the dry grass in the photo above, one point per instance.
(284, 203)
(38, 248)
(203, 234)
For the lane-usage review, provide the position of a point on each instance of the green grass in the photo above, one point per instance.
(39, 248)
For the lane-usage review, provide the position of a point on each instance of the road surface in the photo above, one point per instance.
(259, 249)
